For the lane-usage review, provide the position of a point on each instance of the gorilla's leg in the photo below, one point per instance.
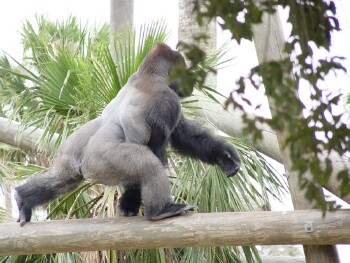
(155, 189)
(111, 161)
(44, 187)
(130, 202)
(155, 192)
(40, 189)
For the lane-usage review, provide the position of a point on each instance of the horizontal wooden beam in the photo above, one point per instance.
(26, 138)
(193, 230)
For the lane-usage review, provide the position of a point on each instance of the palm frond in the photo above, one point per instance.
(11, 87)
(76, 204)
(130, 51)
(68, 65)
(2, 214)
(44, 258)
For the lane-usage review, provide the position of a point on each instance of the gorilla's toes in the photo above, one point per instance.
(171, 210)
(128, 213)
(128, 210)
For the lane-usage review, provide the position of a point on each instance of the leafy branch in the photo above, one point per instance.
(312, 128)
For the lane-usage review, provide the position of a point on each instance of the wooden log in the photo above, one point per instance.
(26, 138)
(281, 259)
(306, 227)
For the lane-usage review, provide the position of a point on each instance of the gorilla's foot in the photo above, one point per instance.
(130, 202)
(130, 211)
(25, 210)
(171, 210)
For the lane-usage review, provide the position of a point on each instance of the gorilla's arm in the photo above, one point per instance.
(191, 139)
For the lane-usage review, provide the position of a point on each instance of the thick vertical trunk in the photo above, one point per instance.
(189, 29)
(122, 14)
(269, 43)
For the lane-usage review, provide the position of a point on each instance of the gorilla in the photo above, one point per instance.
(126, 146)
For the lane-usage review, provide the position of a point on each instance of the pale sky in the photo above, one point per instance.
(14, 12)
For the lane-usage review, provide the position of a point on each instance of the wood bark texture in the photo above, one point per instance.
(269, 43)
(193, 230)
(122, 14)
(189, 29)
(26, 138)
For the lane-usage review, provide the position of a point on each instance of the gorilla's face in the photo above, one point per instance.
(175, 86)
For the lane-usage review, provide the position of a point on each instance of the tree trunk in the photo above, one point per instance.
(122, 14)
(121, 17)
(189, 29)
(269, 43)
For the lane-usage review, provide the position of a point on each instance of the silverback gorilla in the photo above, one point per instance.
(126, 146)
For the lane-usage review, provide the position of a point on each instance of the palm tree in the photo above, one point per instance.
(67, 77)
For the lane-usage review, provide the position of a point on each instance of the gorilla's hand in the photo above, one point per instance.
(228, 160)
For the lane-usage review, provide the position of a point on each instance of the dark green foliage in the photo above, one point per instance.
(194, 75)
(312, 131)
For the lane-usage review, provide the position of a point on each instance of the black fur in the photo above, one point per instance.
(40, 189)
(191, 139)
(162, 118)
(130, 202)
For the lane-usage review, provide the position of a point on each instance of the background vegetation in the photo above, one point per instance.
(313, 129)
